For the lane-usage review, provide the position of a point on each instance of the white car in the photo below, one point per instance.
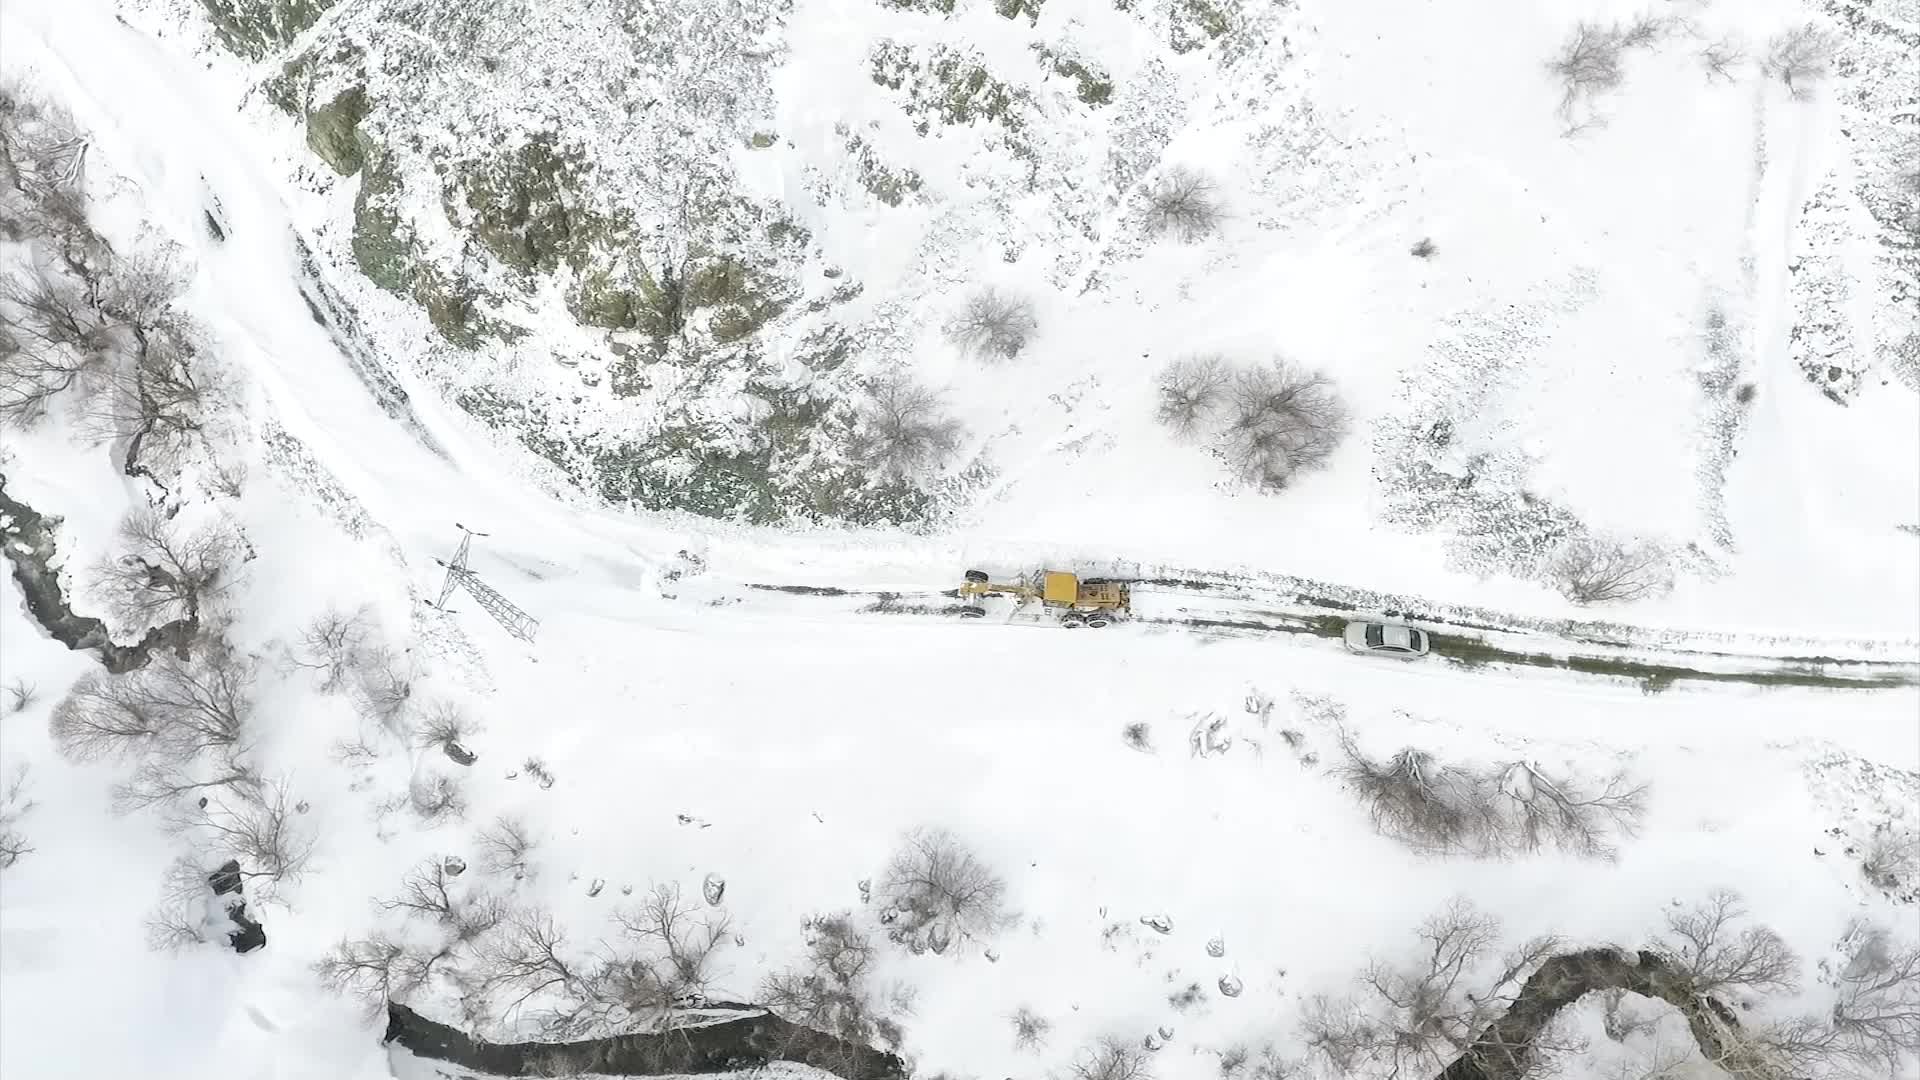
(1387, 639)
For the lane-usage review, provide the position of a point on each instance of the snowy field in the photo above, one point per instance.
(1186, 861)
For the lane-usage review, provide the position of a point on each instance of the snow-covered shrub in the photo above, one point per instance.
(1283, 419)
(14, 805)
(433, 796)
(1598, 570)
(1891, 856)
(1587, 65)
(936, 892)
(1192, 392)
(994, 324)
(1185, 204)
(446, 726)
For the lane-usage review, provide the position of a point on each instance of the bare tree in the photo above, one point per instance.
(174, 707)
(1192, 392)
(1587, 65)
(1721, 57)
(829, 991)
(1875, 1022)
(263, 833)
(994, 324)
(14, 805)
(680, 942)
(52, 340)
(506, 845)
(164, 780)
(529, 958)
(937, 891)
(376, 969)
(1030, 1029)
(433, 796)
(336, 644)
(184, 917)
(904, 430)
(1413, 1019)
(1284, 420)
(1185, 204)
(164, 572)
(1706, 945)
(383, 689)
(156, 397)
(1598, 570)
(1565, 812)
(1111, 1058)
(446, 726)
(1421, 802)
(105, 715)
(430, 892)
(1801, 57)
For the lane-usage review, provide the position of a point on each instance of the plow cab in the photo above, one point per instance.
(1074, 601)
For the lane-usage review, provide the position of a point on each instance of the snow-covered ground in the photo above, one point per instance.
(694, 727)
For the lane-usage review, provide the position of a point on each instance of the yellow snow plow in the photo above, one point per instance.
(1073, 600)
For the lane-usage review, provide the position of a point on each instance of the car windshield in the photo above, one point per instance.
(1375, 636)
(1416, 639)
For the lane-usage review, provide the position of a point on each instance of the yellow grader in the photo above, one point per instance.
(1074, 601)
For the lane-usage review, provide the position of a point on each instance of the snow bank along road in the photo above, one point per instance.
(410, 467)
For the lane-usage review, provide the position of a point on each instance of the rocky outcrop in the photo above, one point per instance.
(1505, 1050)
(27, 538)
(748, 1042)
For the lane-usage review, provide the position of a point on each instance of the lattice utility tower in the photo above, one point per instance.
(511, 618)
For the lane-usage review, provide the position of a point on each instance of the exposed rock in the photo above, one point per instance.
(333, 131)
(748, 1042)
(254, 28)
(714, 889)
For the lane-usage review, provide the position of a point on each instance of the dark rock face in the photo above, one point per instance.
(247, 934)
(745, 1043)
(27, 540)
(1505, 1051)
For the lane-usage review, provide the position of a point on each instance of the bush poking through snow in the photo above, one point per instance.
(937, 892)
(1111, 1058)
(993, 325)
(1193, 392)
(1030, 1029)
(1492, 812)
(1709, 947)
(1283, 420)
(1138, 736)
(1801, 57)
(1415, 1018)
(1185, 205)
(903, 430)
(506, 846)
(1601, 570)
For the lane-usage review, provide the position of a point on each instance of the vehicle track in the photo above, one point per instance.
(1226, 607)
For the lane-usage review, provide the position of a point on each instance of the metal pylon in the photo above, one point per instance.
(510, 617)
